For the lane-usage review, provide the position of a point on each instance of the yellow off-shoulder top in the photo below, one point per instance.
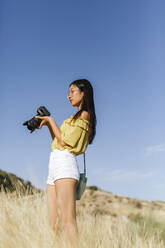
(75, 134)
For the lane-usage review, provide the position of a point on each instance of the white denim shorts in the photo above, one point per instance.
(62, 164)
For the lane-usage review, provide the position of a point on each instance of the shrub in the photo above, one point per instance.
(92, 187)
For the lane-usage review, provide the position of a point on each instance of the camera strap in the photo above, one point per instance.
(84, 164)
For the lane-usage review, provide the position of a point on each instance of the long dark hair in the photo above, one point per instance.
(87, 105)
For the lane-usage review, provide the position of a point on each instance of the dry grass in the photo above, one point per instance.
(24, 222)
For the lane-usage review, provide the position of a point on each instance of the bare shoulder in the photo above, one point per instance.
(85, 115)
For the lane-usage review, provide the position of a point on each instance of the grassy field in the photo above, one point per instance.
(24, 223)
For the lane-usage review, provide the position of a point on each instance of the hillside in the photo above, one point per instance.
(95, 201)
(104, 220)
(9, 182)
(99, 202)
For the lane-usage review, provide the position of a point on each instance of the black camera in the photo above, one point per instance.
(34, 123)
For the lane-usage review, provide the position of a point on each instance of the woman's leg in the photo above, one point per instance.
(65, 190)
(52, 204)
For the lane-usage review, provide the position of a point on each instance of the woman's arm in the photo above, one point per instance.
(54, 130)
(51, 131)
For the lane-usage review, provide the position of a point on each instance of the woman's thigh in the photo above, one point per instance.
(65, 192)
(52, 202)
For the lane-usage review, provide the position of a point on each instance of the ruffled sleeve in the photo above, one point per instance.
(74, 132)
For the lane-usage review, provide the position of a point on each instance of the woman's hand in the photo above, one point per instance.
(44, 122)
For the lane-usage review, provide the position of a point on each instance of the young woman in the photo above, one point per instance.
(70, 140)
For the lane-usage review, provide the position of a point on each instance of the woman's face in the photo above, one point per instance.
(75, 95)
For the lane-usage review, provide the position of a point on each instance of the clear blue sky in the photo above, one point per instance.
(119, 47)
